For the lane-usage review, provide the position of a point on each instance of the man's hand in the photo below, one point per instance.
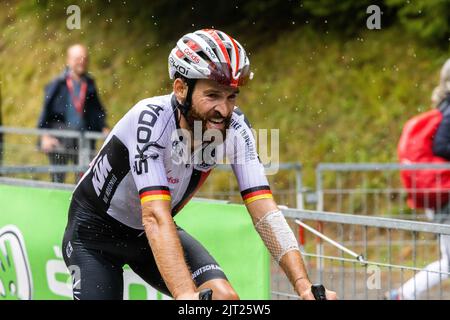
(291, 262)
(49, 143)
(106, 131)
(308, 295)
(303, 288)
(205, 294)
(188, 296)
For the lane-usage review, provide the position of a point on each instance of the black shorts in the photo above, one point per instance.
(97, 246)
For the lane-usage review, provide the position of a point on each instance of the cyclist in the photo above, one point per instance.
(147, 169)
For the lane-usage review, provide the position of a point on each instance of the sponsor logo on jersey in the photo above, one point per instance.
(234, 124)
(250, 152)
(204, 166)
(173, 180)
(69, 250)
(146, 123)
(204, 269)
(101, 171)
(177, 148)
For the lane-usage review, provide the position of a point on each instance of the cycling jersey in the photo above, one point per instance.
(140, 161)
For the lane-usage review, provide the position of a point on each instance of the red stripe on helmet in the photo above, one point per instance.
(179, 54)
(193, 45)
(220, 43)
(234, 82)
(213, 33)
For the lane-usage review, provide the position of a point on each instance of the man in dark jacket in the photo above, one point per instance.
(441, 141)
(71, 102)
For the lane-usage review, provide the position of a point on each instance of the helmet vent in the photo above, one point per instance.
(203, 56)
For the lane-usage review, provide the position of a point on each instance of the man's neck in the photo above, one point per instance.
(75, 76)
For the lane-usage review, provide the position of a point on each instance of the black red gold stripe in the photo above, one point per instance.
(154, 193)
(253, 194)
(197, 179)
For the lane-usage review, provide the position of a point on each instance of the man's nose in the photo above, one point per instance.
(224, 108)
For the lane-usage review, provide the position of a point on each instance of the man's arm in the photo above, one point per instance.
(47, 142)
(166, 247)
(291, 262)
(268, 221)
(43, 118)
(100, 111)
(441, 140)
(149, 175)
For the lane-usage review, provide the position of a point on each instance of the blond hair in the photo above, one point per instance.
(443, 89)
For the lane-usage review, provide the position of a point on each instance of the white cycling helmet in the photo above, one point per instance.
(210, 54)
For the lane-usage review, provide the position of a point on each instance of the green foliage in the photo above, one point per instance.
(427, 18)
(346, 15)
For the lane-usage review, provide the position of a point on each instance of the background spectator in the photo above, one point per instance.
(425, 279)
(71, 102)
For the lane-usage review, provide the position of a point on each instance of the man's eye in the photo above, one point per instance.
(232, 97)
(212, 95)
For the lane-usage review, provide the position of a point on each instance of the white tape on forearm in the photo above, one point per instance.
(276, 234)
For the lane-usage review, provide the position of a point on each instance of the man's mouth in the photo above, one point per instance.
(217, 121)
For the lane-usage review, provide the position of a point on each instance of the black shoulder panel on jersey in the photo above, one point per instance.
(110, 167)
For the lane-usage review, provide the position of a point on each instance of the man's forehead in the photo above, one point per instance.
(210, 85)
(77, 50)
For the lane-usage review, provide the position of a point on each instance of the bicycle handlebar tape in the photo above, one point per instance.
(318, 291)
(205, 294)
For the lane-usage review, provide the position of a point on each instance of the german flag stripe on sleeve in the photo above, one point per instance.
(154, 193)
(253, 194)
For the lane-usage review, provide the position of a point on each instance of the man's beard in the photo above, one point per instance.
(193, 115)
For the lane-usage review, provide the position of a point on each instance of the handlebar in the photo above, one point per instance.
(205, 294)
(318, 291)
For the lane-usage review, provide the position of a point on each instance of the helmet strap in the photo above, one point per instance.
(186, 106)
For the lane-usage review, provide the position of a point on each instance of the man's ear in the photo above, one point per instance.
(180, 89)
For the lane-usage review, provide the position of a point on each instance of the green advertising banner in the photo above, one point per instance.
(32, 222)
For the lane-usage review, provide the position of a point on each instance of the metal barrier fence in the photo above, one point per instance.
(22, 155)
(374, 188)
(393, 252)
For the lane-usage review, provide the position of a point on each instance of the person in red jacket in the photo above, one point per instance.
(436, 271)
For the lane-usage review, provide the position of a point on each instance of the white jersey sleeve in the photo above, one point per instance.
(146, 140)
(245, 162)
